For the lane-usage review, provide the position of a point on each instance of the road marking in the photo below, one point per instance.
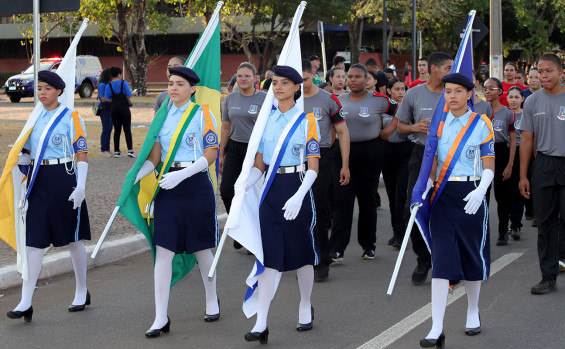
(401, 328)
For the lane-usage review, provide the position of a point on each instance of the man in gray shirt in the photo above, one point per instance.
(414, 116)
(543, 124)
(327, 111)
(173, 62)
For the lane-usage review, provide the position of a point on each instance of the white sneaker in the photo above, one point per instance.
(131, 154)
(562, 265)
(117, 154)
(106, 154)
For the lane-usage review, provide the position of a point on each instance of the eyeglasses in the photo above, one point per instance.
(492, 89)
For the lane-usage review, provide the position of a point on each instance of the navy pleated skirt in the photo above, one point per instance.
(288, 245)
(460, 241)
(51, 218)
(185, 216)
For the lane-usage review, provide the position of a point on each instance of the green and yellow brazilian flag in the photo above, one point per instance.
(207, 66)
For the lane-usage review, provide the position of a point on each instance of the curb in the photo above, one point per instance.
(60, 262)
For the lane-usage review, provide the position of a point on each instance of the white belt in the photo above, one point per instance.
(181, 163)
(290, 169)
(54, 161)
(463, 178)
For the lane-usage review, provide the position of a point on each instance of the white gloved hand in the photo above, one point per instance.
(23, 159)
(429, 185)
(254, 175)
(293, 205)
(144, 171)
(475, 198)
(77, 196)
(172, 179)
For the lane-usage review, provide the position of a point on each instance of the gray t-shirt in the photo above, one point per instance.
(418, 104)
(395, 137)
(544, 115)
(518, 130)
(483, 107)
(364, 117)
(160, 99)
(503, 125)
(242, 112)
(327, 111)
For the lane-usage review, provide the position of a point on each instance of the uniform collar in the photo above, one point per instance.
(463, 119)
(45, 111)
(288, 115)
(182, 109)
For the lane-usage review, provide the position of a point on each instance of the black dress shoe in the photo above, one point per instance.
(73, 308)
(472, 331)
(262, 337)
(430, 343)
(306, 327)
(16, 314)
(157, 331)
(215, 317)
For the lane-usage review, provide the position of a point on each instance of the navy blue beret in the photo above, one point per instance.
(52, 79)
(288, 72)
(185, 73)
(314, 58)
(459, 79)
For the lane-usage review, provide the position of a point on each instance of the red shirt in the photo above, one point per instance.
(417, 82)
(506, 86)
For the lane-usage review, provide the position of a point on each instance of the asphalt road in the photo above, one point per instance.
(352, 307)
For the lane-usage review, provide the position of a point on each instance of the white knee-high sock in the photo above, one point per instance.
(266, 289)
(34, 264)
(440, 288)
(78, 257)
(473, 289)
(305, 284)
(162, 274)
(205, 259)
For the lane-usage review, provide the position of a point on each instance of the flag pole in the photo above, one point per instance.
(106, 229)
(293, 32)
(402, 249)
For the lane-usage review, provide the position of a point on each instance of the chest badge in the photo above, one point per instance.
(318, 113)
(253, 109)
(561, 115)
(497, 125)
(296, 149)
(470, 153)
(364, 112)
(57, 140)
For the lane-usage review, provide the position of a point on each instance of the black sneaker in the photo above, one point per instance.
(544, 287)
(117, 154)
(237, 245)
(397, 244)
(368, 254)
(420, 274)
(131, 154)
(391, 241)
(502, 240)
(534, 223)
(515, 233)
(336, 257)
(321, 272)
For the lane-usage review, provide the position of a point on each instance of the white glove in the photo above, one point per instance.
(77, 196)
(254, 175)
(475, 198)
(429, 186)
(144, 171)
(23, 159)
(172, 179)
(293, 205)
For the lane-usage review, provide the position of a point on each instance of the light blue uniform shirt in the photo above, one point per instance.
(479, 144)
(302, 144)
(199, 135)
(60, 144)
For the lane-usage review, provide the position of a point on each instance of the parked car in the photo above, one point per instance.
(347, 53)
(88, 69)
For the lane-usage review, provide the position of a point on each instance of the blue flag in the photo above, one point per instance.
(463, 63)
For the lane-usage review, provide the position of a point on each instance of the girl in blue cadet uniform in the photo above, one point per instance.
(287, 213)
(185, 211)
(459, 226)
(56, 211)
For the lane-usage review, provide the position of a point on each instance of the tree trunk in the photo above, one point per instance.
(355, 30)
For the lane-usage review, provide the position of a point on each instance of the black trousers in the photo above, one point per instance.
(395, 175)
(517, 204)
(321, 190)
(548, 191)
(502, 189)
(121, 118)
(234, 154)
(418, 244)
(365, 160)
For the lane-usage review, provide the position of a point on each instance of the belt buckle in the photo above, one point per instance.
(176, 164)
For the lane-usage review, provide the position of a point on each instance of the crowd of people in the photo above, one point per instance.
(358, 124)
